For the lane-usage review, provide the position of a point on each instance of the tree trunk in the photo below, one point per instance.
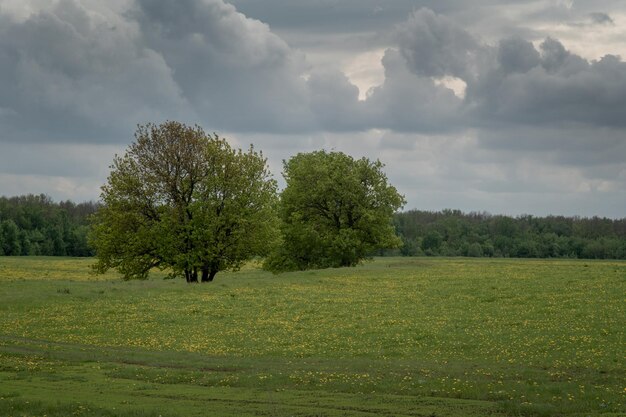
(191, 275)
(212, 274)
(208, 273)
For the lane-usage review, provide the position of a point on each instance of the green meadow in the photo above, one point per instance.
(392, 337)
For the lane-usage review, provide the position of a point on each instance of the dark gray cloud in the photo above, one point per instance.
(72, 75)
(235, 71)
(409, 102)
(330, 15)
(567, 145)
(514, 83)
(335, 101)
(67, 75)
(341, 16)
(593, 19)
(538, 119)
(434, 46)
(549, 87)
(601, 18)
(517, 56)
(41, 159)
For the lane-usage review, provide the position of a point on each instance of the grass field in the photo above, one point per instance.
(395, 337)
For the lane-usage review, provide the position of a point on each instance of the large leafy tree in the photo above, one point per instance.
(184, 201)
(335, 211)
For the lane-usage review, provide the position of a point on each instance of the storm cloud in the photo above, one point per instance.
(69, 73)
(550, 86)
(497, 104)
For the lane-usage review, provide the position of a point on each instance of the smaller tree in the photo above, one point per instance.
(335, 211)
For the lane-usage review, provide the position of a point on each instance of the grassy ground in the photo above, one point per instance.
(396, 337)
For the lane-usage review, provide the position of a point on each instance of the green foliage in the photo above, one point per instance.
(432, 241)
(35, 225)
(184, 201)
(475, 250)
(11, 244)
(335, 212)
(453, 233)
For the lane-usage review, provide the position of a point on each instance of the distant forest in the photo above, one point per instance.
(36, 225)
(454, 233)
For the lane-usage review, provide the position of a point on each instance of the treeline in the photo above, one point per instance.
(454, 233)
(35, 225)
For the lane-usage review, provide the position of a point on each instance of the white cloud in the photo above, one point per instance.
(365, 71)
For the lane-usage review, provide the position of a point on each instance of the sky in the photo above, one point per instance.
(509, 107)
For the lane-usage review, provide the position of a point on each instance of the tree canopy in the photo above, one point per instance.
(185, 201)
(335, 211)
(35, 225)
(454, 233)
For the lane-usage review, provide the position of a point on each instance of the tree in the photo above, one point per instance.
(432, 241)
(335, 211)
(10, 238)
(184, 201)
(475, 250)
